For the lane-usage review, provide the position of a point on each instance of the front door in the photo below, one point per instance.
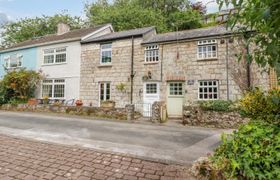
(175, 99)
(151, 95)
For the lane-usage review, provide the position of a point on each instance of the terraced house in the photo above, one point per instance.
(139, 66)
(57, 56)
(177, 68)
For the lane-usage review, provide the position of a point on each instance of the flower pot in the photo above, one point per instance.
(32, 101)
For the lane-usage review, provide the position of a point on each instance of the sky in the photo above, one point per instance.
(12, 10)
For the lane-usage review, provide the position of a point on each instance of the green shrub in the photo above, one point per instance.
(264, 106)
(217, 105)
(16, 101)
(252, 152)
(18, 85)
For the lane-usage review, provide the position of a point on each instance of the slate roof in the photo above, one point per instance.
(72, 35)
(189, 34)
(120, 35)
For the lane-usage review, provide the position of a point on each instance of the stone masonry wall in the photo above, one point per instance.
(195, 116)
(177, 61)
(110, 113)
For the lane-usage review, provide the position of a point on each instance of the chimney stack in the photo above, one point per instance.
(62, 28)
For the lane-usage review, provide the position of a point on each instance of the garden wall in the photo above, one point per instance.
(195, 116)
(110, 113)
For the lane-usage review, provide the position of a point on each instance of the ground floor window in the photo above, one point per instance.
(53, 88)
(105, 91)
(208, 90)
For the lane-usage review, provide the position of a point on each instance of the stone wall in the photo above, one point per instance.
(178, 61)
(195, 116)
(159, 112)
(110, 113)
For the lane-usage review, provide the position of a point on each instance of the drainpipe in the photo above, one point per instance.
(132, 70)
(161, 61)
(227, 69)
(248, 67)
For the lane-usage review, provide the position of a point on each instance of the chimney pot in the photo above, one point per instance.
(62, 28)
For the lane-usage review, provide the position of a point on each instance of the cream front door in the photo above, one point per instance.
(175, 99)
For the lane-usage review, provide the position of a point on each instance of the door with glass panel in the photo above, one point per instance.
(104, 91)
(175, 99)
(151, 95)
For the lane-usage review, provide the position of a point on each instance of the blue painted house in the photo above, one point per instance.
(17, 58)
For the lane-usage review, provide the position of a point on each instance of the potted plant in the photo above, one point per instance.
(79, 102)
(108, 104)
(32, 101)
(45, 100)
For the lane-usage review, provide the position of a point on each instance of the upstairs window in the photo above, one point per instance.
(55, 56)
(207, 49)
(106, 54)
(13, 61)
(208, 90)
(152, 54)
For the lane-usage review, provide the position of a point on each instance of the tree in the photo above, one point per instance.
(263, 18)
(127, 14)
(28, 28)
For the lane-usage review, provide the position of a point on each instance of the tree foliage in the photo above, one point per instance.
(263, 17)
(20, 84)
(166, 15)
(28, 28)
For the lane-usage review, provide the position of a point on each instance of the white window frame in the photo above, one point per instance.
(105, 50)
(207, 54)
(54, 53)
(152, 54)
(207, 86)
(53, 83)
(105, 91)
(175, 95)
(151, 83)
(7, 61)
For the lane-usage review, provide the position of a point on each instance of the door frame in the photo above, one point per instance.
(175, 96)
(145, 92)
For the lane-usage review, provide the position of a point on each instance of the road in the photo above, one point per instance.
(181, 145)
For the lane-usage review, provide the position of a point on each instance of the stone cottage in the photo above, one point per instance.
(140, 67)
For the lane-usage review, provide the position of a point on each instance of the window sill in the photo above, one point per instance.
(151, 63)
(104, 65)
(54, 64)
(208, 59)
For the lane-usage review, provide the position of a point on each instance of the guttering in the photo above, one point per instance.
(41, 44)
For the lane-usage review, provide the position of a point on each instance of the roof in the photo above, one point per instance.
(72, 35)
(189, 34)
(120, 35)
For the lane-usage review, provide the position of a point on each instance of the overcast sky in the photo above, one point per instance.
(11, 10)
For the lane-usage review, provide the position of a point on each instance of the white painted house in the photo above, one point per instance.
(57, 56)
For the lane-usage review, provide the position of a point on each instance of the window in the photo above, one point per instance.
(207, 49)
(176, 89)
(53, 88)
(105, 91)
(208, 90)
(151, 88)
(152, 53)
(13, 61)
(55, 56)
(106, 54)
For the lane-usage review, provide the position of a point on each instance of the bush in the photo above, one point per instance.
(217, 105)
(252, 152)
(18, 85)
(259, 105)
